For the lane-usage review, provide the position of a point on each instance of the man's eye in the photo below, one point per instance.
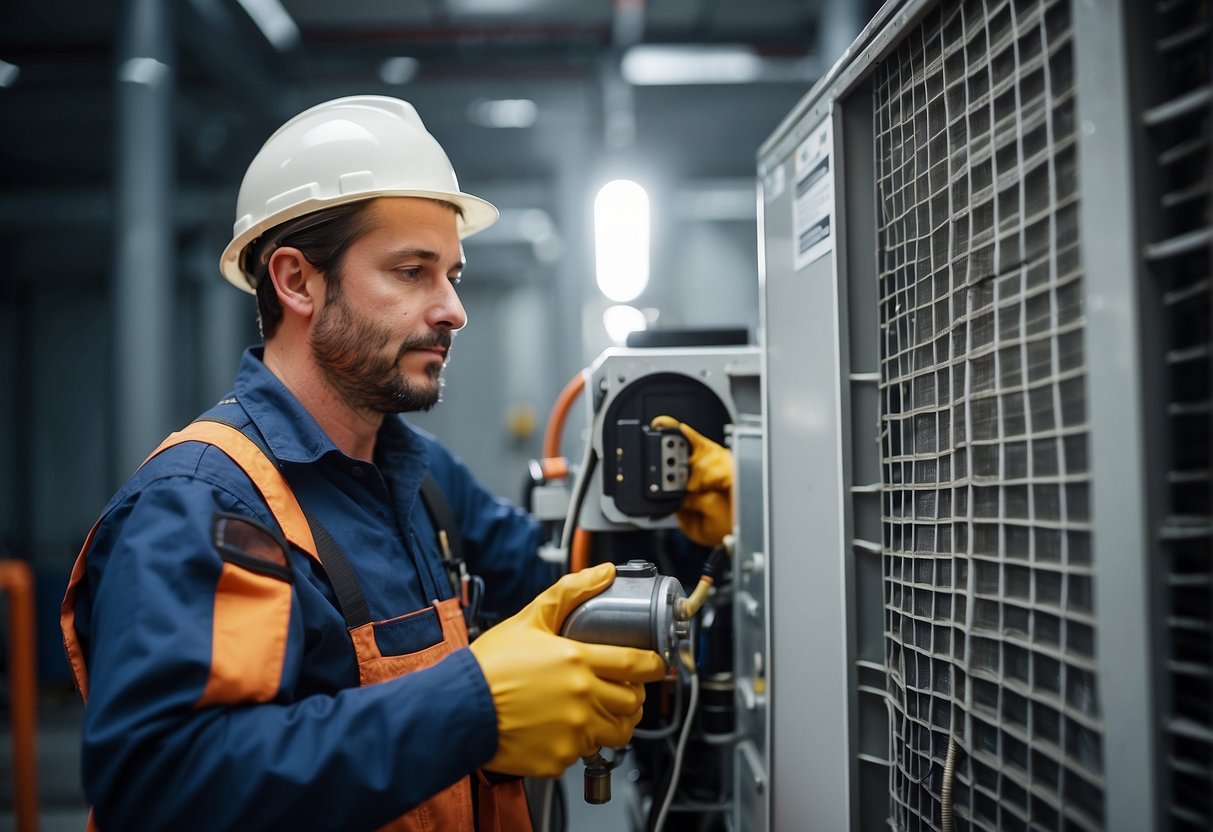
(456, 280)
(409, 272)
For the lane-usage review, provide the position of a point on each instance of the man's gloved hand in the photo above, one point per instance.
(559, 699)
(706, 515)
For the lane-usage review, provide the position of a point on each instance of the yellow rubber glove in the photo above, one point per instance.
(706, 515)
(559, 699)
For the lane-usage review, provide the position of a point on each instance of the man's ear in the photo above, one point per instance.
(294, 280)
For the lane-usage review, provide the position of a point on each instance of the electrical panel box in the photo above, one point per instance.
(640, 475)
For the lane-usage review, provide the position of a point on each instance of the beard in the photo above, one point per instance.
(349, 352)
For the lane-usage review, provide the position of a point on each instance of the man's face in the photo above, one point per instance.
(383, 333)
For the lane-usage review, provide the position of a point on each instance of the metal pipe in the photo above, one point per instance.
(143, 279)
(17, 583)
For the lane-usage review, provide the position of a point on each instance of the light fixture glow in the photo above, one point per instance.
(620, 321)
(658, 64)
(621, 239)
(398, 70)
(513, 113)
(274, 21)
(8, 73)
(148, 72)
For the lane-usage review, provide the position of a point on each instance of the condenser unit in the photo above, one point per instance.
(985, 254)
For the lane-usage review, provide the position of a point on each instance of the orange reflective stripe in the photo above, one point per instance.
(268, 479)
(67, 618)
(248, 639)
(252, 611)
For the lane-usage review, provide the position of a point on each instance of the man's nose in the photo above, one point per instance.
(446, 310)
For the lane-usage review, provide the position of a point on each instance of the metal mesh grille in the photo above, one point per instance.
(987, 565)
(1178, 120)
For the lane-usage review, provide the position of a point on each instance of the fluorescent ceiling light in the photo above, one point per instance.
(398, 71)
(8, 73)
(621, 321)
(503, 112)
(652, 65)
(146, 71)
(621, 239)
(274, 22)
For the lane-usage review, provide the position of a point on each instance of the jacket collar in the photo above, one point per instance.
(293, 434)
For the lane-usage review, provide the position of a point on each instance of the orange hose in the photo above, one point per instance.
(555, 466)
(580, 557)
(554, 432)
(17, 580)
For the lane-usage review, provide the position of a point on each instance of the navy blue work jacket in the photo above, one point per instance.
(325, 753)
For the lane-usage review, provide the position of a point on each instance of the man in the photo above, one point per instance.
(262, 622)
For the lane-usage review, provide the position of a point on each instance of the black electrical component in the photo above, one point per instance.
(645, 470)
(650, 468)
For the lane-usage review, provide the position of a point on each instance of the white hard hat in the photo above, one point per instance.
(338, 152)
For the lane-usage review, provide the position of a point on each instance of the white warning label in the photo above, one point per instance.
(813, 202)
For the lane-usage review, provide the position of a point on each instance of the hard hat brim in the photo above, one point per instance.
(475, 214)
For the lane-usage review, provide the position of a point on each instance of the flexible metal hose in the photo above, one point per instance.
(945, 790)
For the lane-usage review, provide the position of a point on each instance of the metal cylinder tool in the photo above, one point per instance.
(640, 609)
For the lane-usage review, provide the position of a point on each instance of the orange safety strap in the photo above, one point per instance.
(243, 669)
(265, 476)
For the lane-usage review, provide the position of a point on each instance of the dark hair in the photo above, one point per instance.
(323, 237)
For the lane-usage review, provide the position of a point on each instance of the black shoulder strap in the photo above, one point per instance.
(350, 597)
(443, 519)
(341, 575)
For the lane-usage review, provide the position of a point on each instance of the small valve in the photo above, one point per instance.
(598, 776)
(640, 609)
